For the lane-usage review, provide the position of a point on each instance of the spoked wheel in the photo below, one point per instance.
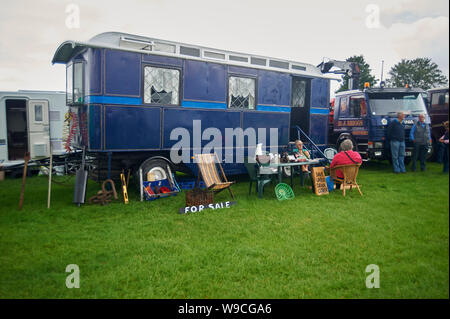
(156, 167)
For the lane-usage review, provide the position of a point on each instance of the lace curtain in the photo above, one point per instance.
(165, 84)
(242, 92)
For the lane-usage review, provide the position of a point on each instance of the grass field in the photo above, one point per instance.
(309, 247)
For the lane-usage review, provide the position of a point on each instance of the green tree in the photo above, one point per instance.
(420, 72)
(365, 75)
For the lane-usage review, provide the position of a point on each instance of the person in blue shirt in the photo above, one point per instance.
(396, 136)
(420, 135)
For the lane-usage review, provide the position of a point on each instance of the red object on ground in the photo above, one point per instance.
(164, 189)
(342, 159)
(149, 190)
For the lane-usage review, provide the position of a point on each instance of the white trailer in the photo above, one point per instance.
(29, 122)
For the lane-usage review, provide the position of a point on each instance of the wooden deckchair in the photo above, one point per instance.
(350, 173)
(207, 169)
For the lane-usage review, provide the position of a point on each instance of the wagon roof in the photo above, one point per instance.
(134, 43)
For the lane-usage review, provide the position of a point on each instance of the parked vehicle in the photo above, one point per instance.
(363, 117)
(127, 94)
(438, 111)
(29, 122)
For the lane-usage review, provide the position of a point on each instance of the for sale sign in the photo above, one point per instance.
(199, 208)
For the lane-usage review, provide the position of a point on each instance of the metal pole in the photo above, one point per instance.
(109, 164)
(140, 184)
(50, 176)
(382, 66)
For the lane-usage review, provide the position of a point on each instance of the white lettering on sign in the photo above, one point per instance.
(199, 208)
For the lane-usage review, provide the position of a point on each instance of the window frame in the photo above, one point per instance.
(83, 81)
(307, 91)
(69, 65)
(41, 107)
(245, 76)
(180, 83)
(346, 113)
(356, 97)
(438, 94)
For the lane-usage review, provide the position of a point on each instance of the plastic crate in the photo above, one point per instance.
(161, 183)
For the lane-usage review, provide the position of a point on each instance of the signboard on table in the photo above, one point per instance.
(319, 180)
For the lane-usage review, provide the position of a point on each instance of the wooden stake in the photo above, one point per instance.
(24, 177)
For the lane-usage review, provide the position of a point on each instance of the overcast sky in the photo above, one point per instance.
(304, 31)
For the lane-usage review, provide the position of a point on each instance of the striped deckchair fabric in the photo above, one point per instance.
(207, 166)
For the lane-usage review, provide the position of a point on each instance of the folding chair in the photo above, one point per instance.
(208, 171)
(350, 173)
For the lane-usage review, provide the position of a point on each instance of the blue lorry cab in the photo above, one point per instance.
(363, 116)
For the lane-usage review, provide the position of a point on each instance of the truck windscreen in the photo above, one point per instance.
(389, 103)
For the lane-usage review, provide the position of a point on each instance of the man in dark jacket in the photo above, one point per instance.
(421, 136)
(396, 136)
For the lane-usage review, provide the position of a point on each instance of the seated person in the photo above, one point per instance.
(345, 156)
(301, 154)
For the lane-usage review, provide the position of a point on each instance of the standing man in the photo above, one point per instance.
(420, 135)
(444, 139)
(396, 136)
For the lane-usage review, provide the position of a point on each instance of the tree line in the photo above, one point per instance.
(420, 72)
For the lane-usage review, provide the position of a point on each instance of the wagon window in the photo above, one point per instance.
(298, 93)
(241, 93)
(78, 92)
(161, 85)
(69, 84)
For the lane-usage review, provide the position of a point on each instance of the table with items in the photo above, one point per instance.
(292, 165)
